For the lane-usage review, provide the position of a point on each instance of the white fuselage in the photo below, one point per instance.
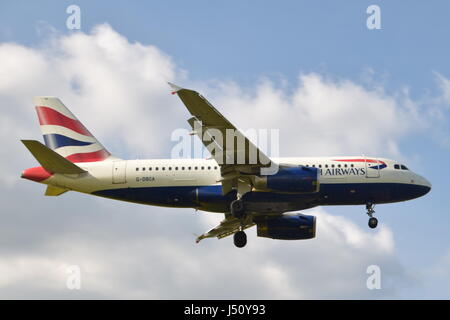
(339, 178)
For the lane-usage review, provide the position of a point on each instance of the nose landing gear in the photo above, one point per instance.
(373, 222)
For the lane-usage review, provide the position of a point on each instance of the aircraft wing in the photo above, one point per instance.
(236, 155)
(227, 227)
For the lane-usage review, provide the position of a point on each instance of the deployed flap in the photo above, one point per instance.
(227, 227)
(50, 160)
(54, 191)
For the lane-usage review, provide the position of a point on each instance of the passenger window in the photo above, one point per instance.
(345, 165)
(203, 168)
(156, 168)
(326, 166)
(352, 165)
(182, 168)
(163, 168)
(209, 168)
(143, 169)
(332, 165)
(137, 169)
(189, 168)
(215, 168)
(170, 168)
(150, 169)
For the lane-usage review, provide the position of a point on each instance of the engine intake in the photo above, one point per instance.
(290, 179)
(299, 227)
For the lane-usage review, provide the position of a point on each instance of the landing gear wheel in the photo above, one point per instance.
(240, 239)
(373, 222)
(237, 208)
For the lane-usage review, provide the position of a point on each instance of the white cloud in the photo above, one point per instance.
(152, 265)
(438, 109)
(444, 85)
(323, 116)
(118, 89)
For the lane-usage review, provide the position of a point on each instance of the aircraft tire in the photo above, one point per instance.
(240, 239)
(373, 222)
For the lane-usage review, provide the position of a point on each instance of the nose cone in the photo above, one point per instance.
(427, 184)
(424, 185)
(37, 174)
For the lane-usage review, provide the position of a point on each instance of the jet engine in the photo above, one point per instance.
(298, 227)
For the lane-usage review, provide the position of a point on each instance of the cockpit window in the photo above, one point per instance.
(404, 167)
(396, 166)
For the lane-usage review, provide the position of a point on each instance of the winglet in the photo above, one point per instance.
(200, 238)
(174, 87)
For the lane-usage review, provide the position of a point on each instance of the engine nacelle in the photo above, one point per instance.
(298, 227)
(290, 179)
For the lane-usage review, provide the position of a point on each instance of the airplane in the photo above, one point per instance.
(238, 180)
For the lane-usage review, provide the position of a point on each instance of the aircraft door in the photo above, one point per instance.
(372, 168)
(119, 172)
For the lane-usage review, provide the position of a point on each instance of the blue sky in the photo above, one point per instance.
(243, 42)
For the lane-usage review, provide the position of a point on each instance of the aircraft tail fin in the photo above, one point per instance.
(50, 160)
(65, 134)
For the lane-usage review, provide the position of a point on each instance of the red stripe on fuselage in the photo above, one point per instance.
(48, 116)
(89, 157)
(360, 160)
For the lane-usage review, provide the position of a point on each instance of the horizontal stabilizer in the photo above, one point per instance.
(54, 191)
(50, 160)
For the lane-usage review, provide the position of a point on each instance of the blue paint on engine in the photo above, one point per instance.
(299, 227)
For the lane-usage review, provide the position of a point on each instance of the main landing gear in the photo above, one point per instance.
(240, 239)
(237, 211)
(373, 222)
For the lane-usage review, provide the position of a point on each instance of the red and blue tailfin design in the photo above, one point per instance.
(65, 134)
